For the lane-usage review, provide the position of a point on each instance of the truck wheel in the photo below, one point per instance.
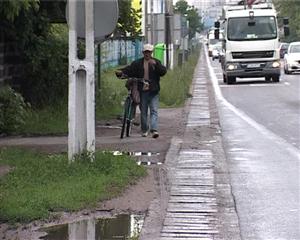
(275, 78)
(224, 79)
(231, 80)
(268, 79)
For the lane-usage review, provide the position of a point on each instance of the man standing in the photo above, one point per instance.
(151, 70)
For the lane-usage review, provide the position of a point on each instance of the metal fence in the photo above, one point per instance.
(120, 52)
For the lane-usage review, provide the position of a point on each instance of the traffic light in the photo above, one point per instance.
(217, 24)
(217, 33)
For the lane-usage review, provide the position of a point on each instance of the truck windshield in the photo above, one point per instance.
(245, 29)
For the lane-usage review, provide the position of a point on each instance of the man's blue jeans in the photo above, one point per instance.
(149, 100)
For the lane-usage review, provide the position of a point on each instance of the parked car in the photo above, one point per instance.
(292, 58)
(283, 49)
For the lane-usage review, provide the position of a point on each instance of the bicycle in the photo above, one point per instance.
(130, 104)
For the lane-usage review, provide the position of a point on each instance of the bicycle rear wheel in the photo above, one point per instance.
(126, 116)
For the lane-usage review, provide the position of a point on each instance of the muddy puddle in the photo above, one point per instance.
(121, 227)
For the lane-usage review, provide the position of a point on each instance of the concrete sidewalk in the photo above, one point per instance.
(196, 200)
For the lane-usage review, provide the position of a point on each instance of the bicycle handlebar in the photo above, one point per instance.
(132, 78)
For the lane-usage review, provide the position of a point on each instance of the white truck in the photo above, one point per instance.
(251, 42)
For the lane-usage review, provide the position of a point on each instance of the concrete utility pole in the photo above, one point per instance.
(81, 86)
(167, 31)
(152, 22)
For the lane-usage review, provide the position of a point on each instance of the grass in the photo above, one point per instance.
(46, 121)
(176, 83)
(110, 96)
(40, 184)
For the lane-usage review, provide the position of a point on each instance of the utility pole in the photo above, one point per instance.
(84, 23)
(152, 22)
(81, 106)
(167, 31)
(146, 22)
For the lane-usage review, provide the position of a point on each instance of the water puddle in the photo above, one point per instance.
(123, 227)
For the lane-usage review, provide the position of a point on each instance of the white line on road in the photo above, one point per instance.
(254, 85)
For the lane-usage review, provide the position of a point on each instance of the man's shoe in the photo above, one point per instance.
(145, 134)
(155, 134)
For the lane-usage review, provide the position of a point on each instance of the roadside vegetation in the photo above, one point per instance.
(40, 184)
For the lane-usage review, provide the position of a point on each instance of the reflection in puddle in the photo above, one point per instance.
(121, 227)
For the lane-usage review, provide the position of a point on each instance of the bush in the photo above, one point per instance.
(46, 69)
(13, 110)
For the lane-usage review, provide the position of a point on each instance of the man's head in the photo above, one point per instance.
(147, 51)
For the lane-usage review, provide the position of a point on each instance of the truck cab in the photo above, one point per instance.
(251, 43)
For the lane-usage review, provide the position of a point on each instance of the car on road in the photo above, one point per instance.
(216, 50)
(292, 58)
(210, 45)
(283, 49)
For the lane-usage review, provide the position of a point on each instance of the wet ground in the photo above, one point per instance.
(123, 226)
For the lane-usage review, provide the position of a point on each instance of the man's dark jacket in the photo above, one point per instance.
(136, 69)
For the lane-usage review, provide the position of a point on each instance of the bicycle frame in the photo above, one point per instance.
(129, 111)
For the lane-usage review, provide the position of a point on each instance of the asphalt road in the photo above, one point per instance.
(260, 126)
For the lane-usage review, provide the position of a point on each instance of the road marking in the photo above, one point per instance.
(118, 153)
(269, 134)
(223, 85)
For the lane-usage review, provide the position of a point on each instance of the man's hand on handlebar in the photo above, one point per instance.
(119, 74)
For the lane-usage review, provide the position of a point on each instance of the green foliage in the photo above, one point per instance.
(10, 9)
(129, 20)
(111, 96)
(192, 16)
(46, 68)
(49, 120)
(290, 9)
(13, 110)
(175, 85)
(39, 184)
(43, 50)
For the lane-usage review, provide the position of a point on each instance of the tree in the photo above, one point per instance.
(290, 9)
(129, 20)
(42, 55)
(192, 16)
(10, 9)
